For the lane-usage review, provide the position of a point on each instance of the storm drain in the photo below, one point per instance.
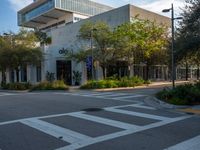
(92, 109)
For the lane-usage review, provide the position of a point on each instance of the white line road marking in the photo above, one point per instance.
(120, 134)
(191, 144)
(112, 95)
(105, 121)
(139, 114)
(7, 94)
(138, 105)
(96, 94)
(17, 94)
(42, 117)
(125, 97)
(56, 131)
(106, 97)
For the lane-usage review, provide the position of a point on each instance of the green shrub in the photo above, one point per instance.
(17, 86)
(187, 94)
(55, 85)
(113, 82)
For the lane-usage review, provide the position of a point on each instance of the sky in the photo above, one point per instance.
(9, 8)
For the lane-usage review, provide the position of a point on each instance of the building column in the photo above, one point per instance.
(131, 71)
(162, 76)
(34, 75)
(84, 73)
(1, 78)
(7, 75)
(15, 76)
(28, 68)
(43, 71)
(20, 75)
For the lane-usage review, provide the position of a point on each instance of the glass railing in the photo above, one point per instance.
(38, 11)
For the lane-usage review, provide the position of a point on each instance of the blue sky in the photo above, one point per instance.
(9, 8)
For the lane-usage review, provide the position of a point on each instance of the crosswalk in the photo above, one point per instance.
(79, 140)
(106, 95)
(134, 112)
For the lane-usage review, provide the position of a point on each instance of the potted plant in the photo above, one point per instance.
(77, 77)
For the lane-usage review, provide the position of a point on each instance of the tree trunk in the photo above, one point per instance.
(104, 72)
(147, 72)
(198, 72)
(186, 70)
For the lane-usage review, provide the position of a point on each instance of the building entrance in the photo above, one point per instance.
(64, 71)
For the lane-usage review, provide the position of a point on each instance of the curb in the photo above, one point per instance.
(154, 102)
(190, 111)
(15, 91)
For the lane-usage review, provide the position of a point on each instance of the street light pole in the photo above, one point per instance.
(173, 65)
(92, 61)
(92, 49)
(172, 48)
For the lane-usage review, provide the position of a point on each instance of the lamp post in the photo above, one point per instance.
(92, 62)
(172, 48)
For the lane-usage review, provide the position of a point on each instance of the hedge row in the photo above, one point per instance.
(188, 94)
(115, 83)
(55, 85)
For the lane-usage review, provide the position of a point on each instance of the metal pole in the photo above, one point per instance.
(92, 69)
(173, 65)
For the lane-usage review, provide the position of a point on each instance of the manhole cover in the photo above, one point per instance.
(92, 109)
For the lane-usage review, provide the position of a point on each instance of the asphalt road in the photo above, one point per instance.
(89, 120)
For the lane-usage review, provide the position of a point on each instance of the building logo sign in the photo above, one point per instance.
(64, 51)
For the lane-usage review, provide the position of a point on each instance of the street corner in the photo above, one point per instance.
(190, 110)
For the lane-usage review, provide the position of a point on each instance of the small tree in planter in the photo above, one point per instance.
(77, 77)
(50, 77)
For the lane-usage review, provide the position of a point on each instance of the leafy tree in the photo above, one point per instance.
(140, 37)
(101, 35)
(141, 40)
(21, 51)
(42, 37)
(188, 33)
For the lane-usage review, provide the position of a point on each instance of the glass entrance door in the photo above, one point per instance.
(64, 71)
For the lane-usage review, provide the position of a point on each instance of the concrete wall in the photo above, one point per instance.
(145, 14)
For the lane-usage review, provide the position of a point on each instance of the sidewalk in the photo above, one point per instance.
(156, 103)
(192, 110)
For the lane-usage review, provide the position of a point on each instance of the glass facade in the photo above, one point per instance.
(85, 7)
(36, 11)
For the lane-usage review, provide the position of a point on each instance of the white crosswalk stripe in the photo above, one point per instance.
(101, 120)
(56, 131)
(120, 96)
(139, 114)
